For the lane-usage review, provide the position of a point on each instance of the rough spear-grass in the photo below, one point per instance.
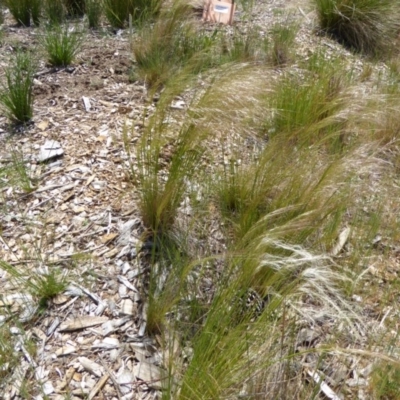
(244, 47)
(230, 355)
(16, 96)
(368, 26)
(311, 106)
(62, 44)
(19, 172)
(283, 36)
(161, 192)
(294, 197)
(171, 45)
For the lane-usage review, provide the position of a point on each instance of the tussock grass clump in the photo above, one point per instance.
(20, 10)
(368, 26)
(161, 191)
(170, 45)
(54, 11)
(43, 285)
(283, 36)
(384, 381)
(62, 44)
(94, 11)
(311, 106)
(280, 213)
(117, 11)
(247, 47)
(16, 96)
(75, 8)
(233, 355)
(175, 45)
(36, 11)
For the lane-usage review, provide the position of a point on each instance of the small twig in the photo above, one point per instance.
(111, 375)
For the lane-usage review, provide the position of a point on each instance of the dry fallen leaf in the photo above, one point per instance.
(81, 323)
(108, 238)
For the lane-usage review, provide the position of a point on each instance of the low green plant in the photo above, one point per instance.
(36, 11)
(384, 381)
(368, 26)
(244, 47)
(93, 10)
(308, 107)
(117, 11)
(172, 45)
(54, 11)
(20, 175)
(160, 197)
(229, 352)
(20, 10)
(7, 354)
(10, 357)
(43, 286)
(283, 36)
(62, 44)
(16, 97)
(166, 284)
(75, 8)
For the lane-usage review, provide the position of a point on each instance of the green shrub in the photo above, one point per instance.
(368, 26)
(61, 45)
(16, 96)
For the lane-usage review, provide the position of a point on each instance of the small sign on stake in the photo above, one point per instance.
(219, 11)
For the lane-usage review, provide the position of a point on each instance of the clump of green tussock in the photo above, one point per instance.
(161, 191)
(384, 381)
(229, 354)
(16, 97)
(172, 44)
(20, 10)
(43, 285)
(94, 11)
(283, 37)
(368, 26)
(117, 11)
(243, 47)
(62, 44)
(54, 11)
(75, 8)
(312, 106)
(36, 11)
